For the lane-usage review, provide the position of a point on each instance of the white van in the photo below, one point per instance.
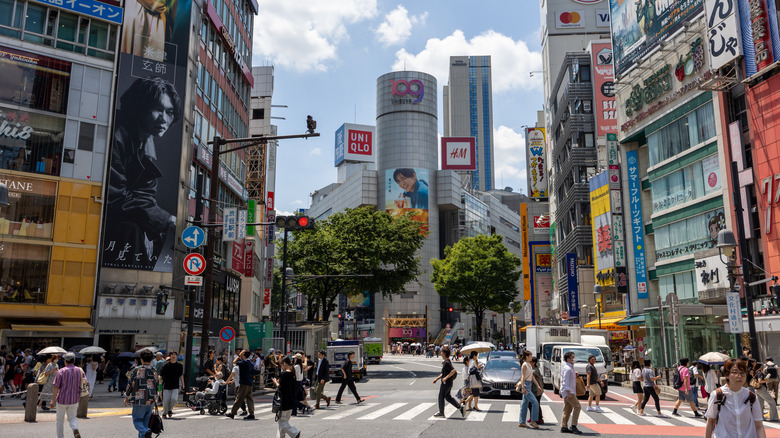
(581, 355)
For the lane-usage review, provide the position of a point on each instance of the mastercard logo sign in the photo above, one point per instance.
(570, 17)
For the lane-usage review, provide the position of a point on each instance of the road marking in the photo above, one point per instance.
(348, 412)
(771, 425)
(652, 419)
(615, 417)
(378, 413)
(585, 418)
(692, 421)
(548, 415)
(449, 411)
(406, 371)
(511, 412)
(415, 411)
(412, 382)
(479, 416)
(546, 398)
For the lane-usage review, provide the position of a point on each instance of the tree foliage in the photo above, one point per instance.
(479, 273)
(355, 241)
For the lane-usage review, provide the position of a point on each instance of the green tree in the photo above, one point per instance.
(479, 273)
(356, 241)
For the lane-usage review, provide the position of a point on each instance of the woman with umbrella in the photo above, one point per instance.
(91, 365)
(46, 378)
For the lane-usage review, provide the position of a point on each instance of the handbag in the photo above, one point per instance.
(657, 389)
(276, 403)
(755, 384)
(84, 389)
(704, 393)
(155, 422)
(580, 387)
(42, 378)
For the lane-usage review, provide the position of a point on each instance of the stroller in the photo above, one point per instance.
(216, 404)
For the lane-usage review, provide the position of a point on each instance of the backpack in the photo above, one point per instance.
(677, 382)
(771, 371)
(720, 400)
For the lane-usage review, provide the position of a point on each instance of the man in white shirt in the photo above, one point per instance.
(569, 393)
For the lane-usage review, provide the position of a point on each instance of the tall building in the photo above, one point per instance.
(468, 112)
(177, 89)
(57, 76)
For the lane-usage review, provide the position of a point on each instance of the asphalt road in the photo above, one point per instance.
(401, 401)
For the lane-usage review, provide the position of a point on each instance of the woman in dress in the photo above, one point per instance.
(710, 379)
(49, 369)
(90, 369)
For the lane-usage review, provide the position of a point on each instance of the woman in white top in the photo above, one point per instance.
(526, 380)
(303, 403)
(91, 371)
(710, 379)
(474, 383)
(466, 400)
(736, 416)
(636, 385)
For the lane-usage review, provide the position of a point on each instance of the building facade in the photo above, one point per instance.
(56, 90)
(468, 112)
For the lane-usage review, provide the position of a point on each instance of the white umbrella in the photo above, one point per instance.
(53, 350)
(714, 358)
(479, 347)
(92, 350)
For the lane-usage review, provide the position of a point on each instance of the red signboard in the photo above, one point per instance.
(267, 297)
(541, 222)
(249, 258)
(237, 259)
(359, 142)
(458, 153)
(604, 89)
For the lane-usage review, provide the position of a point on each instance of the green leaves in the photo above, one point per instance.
(355, 241)
(479, 273)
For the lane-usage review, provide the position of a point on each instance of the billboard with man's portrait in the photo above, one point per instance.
(407, 191)
(146, 146)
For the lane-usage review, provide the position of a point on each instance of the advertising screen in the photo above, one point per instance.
(147, 140)
(407, 191)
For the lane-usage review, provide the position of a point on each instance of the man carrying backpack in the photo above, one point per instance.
(682, 382)
(772, 379)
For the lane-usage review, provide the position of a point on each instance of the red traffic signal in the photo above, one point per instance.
(450, 309)
(294, 223)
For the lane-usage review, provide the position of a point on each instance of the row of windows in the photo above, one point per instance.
(684, 133)
(689, 235)
(245, 19)
(224, 59)
(55, 28)
(204, 132)
(683, 284)
(691, 182)
(219, 103)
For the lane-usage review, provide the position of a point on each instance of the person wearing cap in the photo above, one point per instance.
(141, 392)
(158, 361)
(67, 390)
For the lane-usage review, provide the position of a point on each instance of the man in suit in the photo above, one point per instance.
(322, 373)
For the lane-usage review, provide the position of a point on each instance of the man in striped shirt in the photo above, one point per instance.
(67, 390)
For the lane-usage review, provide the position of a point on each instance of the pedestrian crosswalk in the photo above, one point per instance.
(491, 411)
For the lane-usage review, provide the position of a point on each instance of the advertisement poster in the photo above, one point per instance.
(601, 217)
(637, 225)
(638, 26)
(710, 170)
(146, 146)
(573, 299)
(407, 191)
(537, 170)
(544, 292)
(604, 89)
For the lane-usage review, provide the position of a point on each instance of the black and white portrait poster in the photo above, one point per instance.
(140, 226)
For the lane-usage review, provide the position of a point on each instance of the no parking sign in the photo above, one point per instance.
(227, 334)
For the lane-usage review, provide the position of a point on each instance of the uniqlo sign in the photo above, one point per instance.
(354, 143)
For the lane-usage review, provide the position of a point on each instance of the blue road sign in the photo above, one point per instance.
(193, 236)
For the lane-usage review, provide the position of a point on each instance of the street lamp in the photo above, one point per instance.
(726, 246)
(597, 292)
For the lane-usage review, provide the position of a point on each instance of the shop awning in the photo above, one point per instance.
(64, 326)
(607, 323)
(633, 320)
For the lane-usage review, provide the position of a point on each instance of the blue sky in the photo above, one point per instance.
(328, 54)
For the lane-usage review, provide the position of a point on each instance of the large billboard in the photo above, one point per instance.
(458, 153)
(637, 26)
(146, 149)
(537, 170)
(354, 143)
(601, 219)
(407, 191)
(604, 89)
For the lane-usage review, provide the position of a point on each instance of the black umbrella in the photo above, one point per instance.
(126, 355)
(77, 348)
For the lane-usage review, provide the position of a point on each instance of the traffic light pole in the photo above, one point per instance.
(283, 313)
(208, 293)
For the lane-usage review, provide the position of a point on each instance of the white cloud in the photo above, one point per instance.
(509, 148)
(397, 26)
(512, 61)
(305, 37)
(316, 152)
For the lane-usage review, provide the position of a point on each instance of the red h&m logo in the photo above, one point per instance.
(359, 142)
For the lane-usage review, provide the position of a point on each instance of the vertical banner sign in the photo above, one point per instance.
(604, 89)
(735, 312)
(229, 224)
(722, 32)
(241, 230)
(237, 257)
(760, 39)
(537, 170)
(142, 199)
(249, 258)
(251, 217)
(526, 256)
(573, 298)
(637, 225)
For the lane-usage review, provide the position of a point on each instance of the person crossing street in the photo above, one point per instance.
(571, 406)
(141, 391)
(348, 380)
(322, 374)
(172, 375)
(448, 374)
(67, 389)
(594, 384)
(244, 391)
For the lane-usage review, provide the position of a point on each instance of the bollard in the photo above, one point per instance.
(31, 403)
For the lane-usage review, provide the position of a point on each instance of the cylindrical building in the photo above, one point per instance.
(407, 161)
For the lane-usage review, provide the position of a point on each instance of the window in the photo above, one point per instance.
(24, 272)
(684, 133)
(689, 235)
(31, 210)
(86, 136)
(694, 181)
(34, 81)
(37, 146)
(258, 114)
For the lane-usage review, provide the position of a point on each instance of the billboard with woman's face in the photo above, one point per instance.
(407, 191)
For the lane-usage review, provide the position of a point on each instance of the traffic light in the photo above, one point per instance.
(162, 303)
(294, 223)
(449, 309)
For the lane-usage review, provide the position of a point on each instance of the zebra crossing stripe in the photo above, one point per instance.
(548, 415)
(449, 411)
(652, 419)
(692, 421)
(479, 416)
(511, 413)
(585, 418)
(615, 417)
(348, 412)
(769, 425)
(378, 413)
(415, 411)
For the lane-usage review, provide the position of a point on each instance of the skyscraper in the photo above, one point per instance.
(468, 111)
